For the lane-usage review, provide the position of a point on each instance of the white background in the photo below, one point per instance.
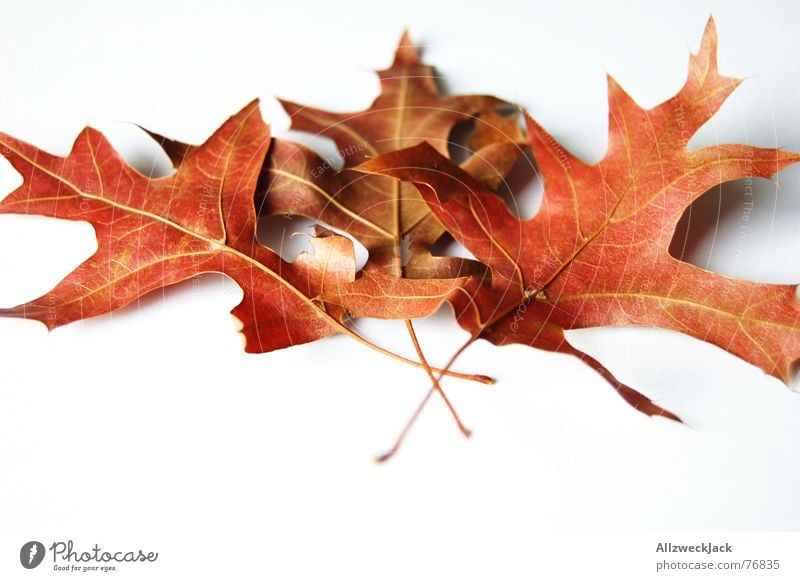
(151, 428)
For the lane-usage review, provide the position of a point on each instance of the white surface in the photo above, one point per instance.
(152, 428)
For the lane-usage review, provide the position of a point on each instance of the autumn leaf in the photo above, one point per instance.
(153, 233)
(382, 213)
(156, 232)
(597, 251)
(409, 110)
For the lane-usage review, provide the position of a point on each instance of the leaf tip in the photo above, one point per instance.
(709, 40)
(382, 458)
(666, 414)
(20, 312)
(407, 52)
(291, 108)
(252, 107)
(706, 55)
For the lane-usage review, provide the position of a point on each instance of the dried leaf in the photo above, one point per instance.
(382, 213)
(153, 233)
(597, 252)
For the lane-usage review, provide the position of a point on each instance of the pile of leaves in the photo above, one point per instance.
(596, 253)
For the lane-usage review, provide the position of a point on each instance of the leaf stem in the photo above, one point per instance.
(412, 420)
(404, 432)
(485, 379)
(464, 430)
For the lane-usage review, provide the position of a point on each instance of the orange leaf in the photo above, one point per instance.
(597, 252)
(383, 213)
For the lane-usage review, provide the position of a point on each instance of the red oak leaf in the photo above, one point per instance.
(597, 251)
(382, 214)
(153, 233)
